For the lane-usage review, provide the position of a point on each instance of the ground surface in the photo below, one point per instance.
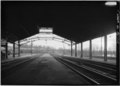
(43, 70)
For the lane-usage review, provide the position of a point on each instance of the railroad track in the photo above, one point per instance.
(109, 69)
(12, 66)
(8, 63)
(92, 75)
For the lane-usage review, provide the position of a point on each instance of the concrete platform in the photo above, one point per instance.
(42, 71)
(11, 58)
(109, 61)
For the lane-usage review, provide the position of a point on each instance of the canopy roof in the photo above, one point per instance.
(44, 36)
(77, 21)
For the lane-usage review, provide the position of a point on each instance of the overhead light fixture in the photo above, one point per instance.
(111, 3)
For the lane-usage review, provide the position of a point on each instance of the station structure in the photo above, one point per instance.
(18, 35)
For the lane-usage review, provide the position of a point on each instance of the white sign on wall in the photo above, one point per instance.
(45, 30)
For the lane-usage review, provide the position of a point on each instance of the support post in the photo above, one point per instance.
(105, 48)
(63, 48)
(18, 47)
(14, 50)
(6, 50)
(75, 49)
(81, 50)
(31, 47)
(71, 48)
(118, 41)
(90, 49)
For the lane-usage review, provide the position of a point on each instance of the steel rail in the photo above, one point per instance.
(79, 73)
(95, 65)
(14, 65)
(93, 70)
(88, 69)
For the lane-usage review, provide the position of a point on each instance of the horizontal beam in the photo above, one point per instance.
(50, 38)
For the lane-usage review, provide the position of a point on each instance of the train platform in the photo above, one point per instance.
(11, 58)
(95, 59)
(43, 70)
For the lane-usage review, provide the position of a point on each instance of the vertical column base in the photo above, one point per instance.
(90, 49)
(31, 47)
(81, 50)
(71, 49)
(13, 50)
(75, 50)
(105, 48)
(18, 48)
(6, 50)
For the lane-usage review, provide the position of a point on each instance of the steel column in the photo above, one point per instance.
(118, 41)
(31, 47)
(81, 50)
(75, 49)
(18, 47)
(6, 50)
(71, 48)
(90, 49)
(14, 50)
(105, 48)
